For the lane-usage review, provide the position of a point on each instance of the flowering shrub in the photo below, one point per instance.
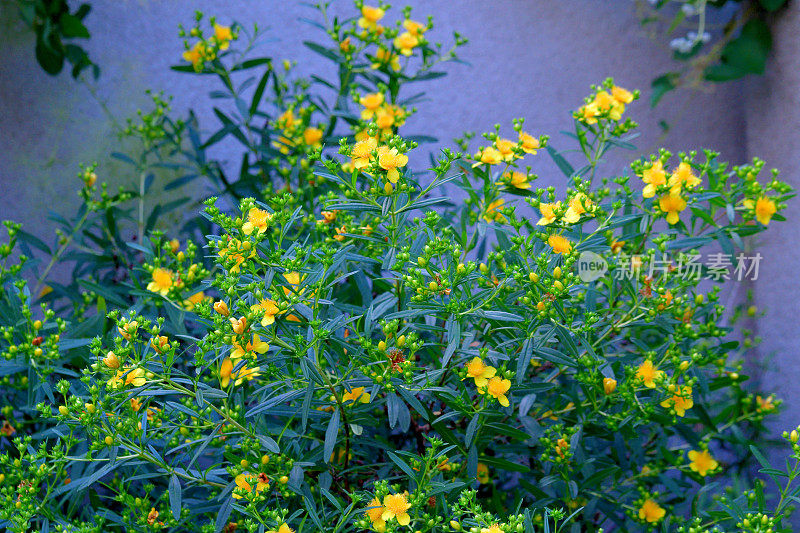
(335, 345)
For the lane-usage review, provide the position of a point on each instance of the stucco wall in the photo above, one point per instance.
(533, 59)
(772, 104)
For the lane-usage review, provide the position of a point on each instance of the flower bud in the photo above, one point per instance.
(111, 360)
(239, 325)
(221, 308)
(609, 385)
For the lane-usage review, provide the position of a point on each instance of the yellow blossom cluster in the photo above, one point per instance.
(605, 104)
(296, 133)
(487, 381)
(207, 49)
(507, 151)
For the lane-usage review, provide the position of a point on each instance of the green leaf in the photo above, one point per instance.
(772, 5)
(747, 54)
(661, 86)
(49, 58)
(330, 436)
(402, 465)
(175, 496)
(72, 27)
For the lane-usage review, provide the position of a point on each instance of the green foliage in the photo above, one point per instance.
(57, 28)
(335, 344)
(741, 47)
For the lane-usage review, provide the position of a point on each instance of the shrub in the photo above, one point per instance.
(337, 345)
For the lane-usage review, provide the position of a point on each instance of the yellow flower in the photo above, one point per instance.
(488, 155)
(223, 35)
(579, 205)
(548, 213)
(405, 42)
(764, 209)
(390, 160)
(683, 177)
(413, 27)
(649, 374)
(765, 405)
(672, 206)
(681, 401)
(221, 308)
(345, 45)
(284, 528)
(702, 462)
(494, 528)
(529, 143)
(234, 252)
(609, 385)
(385, 119)
(506, 149)
(396, 506)
(356, 395)
(654, 177)
(193, 300)
(386, 57)
(238, 324)
(340, 234)
(248, 374)
(616, 246)
(370, 16)
(196, 54)
(312, 136)
(328, 216)
(244, 480)
(255, 345)
(492, 212)
(362, 152)
(128, 376)
(559, 244)
(162, 281)
(651, 511)
(111, 360)
(516, 179)
(257, 220)
(371, 102)
(621, 95)
(588, 114)
(480, 372)
(269, 308)
(287, 119)
(160, 343)
(608, 104)
(483, 474)
(497, 388)
(227, 373)
(374, 514)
